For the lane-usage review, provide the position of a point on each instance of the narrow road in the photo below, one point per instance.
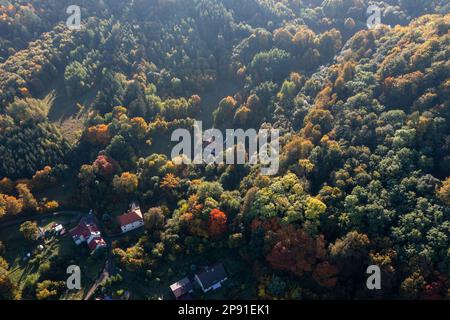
(103, 275)
(107, 271)
(38, 217)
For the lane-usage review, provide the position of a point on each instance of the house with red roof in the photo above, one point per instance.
(131, 220)
(87, 231)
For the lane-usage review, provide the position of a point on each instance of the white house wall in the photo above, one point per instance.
(132, 226)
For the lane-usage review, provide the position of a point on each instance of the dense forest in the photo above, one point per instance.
(86, 117)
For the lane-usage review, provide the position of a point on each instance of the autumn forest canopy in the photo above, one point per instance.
(86, 117)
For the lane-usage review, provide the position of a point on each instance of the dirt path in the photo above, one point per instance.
(103, 275)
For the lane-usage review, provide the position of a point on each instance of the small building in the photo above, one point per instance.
(182, 288)
(211, 278)
(87, 231)
(131, 220)
(58, 229)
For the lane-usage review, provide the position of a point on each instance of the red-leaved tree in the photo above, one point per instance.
(217, 223)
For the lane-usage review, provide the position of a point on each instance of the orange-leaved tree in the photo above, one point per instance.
(217, 222)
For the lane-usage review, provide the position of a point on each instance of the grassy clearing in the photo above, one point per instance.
(68, 113)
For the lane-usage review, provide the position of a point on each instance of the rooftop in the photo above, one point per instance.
(212, 275)
(131, 216)
(181, 287)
